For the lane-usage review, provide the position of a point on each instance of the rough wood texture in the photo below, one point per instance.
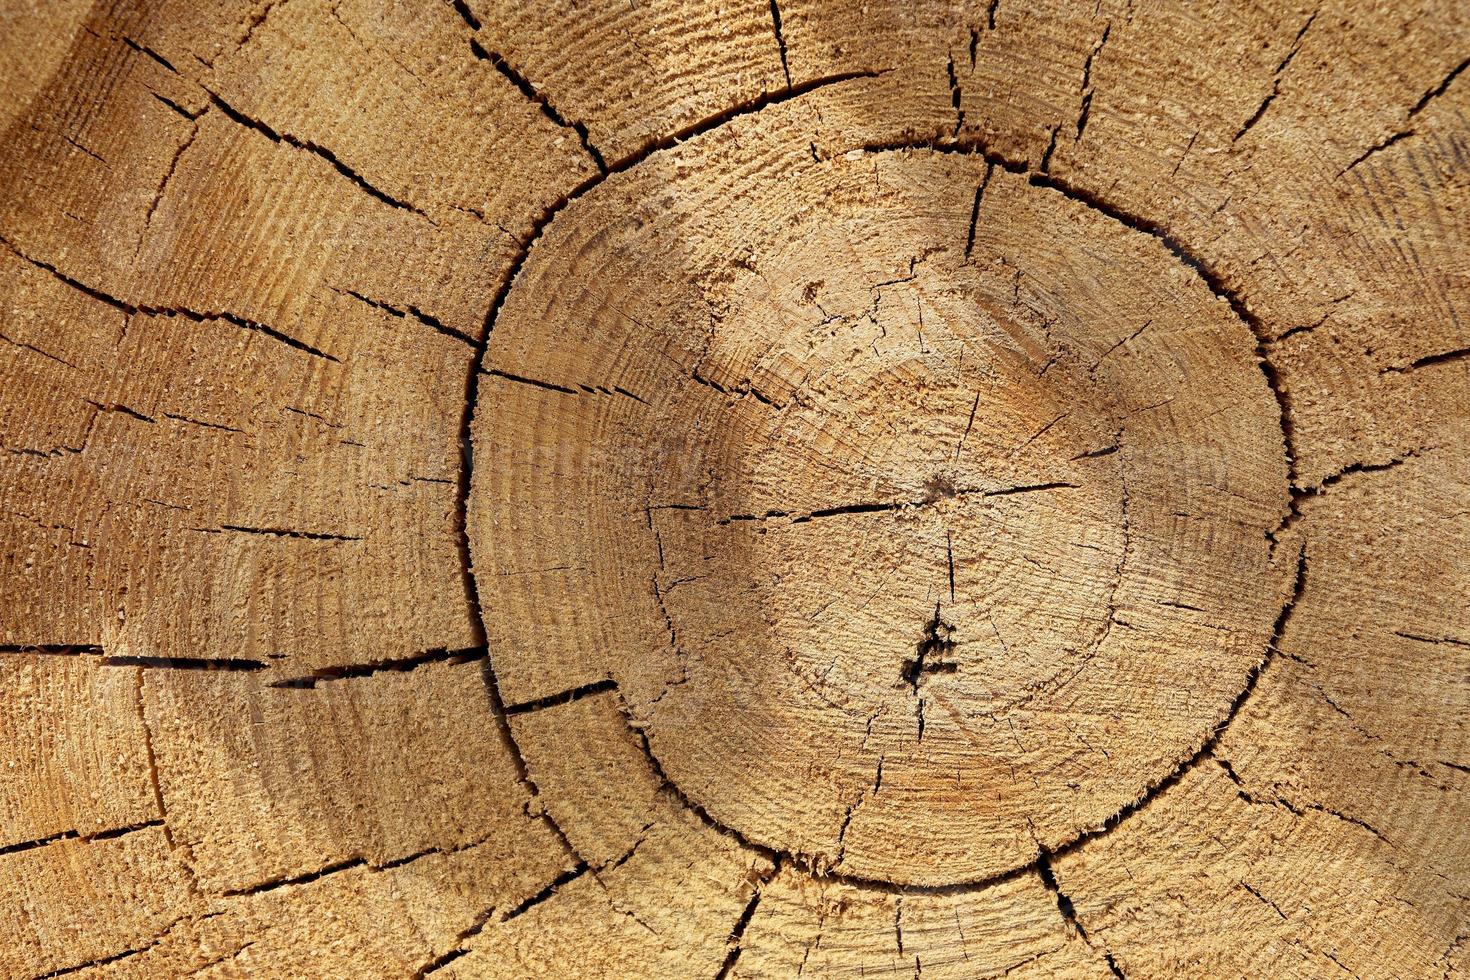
(687, 488)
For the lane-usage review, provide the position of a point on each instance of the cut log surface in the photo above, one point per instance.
(703, 489)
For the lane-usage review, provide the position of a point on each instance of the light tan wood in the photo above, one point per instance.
(684, 488)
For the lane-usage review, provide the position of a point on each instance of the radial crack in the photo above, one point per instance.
(780, 40)
(76, 835)
(1087, 88)
(374, 667)
(275, 136)
(564, 697)
(524, 86)
(737, 932)
(566, 877)
(936, 494)
(196, 316)
(1212, 280)
(1275, 81)
(428, 320)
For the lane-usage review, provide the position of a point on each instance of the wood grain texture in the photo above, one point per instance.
(713, 489)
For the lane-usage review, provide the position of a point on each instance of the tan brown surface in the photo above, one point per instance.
(734, 490)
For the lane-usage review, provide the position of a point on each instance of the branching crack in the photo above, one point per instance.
(817, 865)
(1296, 809)
(1299, 496)
(938, 640)
(1207, 748)
(1215, 283)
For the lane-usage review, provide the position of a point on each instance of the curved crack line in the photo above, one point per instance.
(1210, 279)
(1208, 275)
(476, 369)
(818, 866)
(815, 866)
(477, 360)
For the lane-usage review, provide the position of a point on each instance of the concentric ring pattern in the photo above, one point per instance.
(764, 489)
(902, 538)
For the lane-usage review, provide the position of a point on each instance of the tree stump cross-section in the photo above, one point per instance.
(771, 489)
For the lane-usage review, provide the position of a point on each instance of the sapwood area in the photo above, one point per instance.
(696, 488)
